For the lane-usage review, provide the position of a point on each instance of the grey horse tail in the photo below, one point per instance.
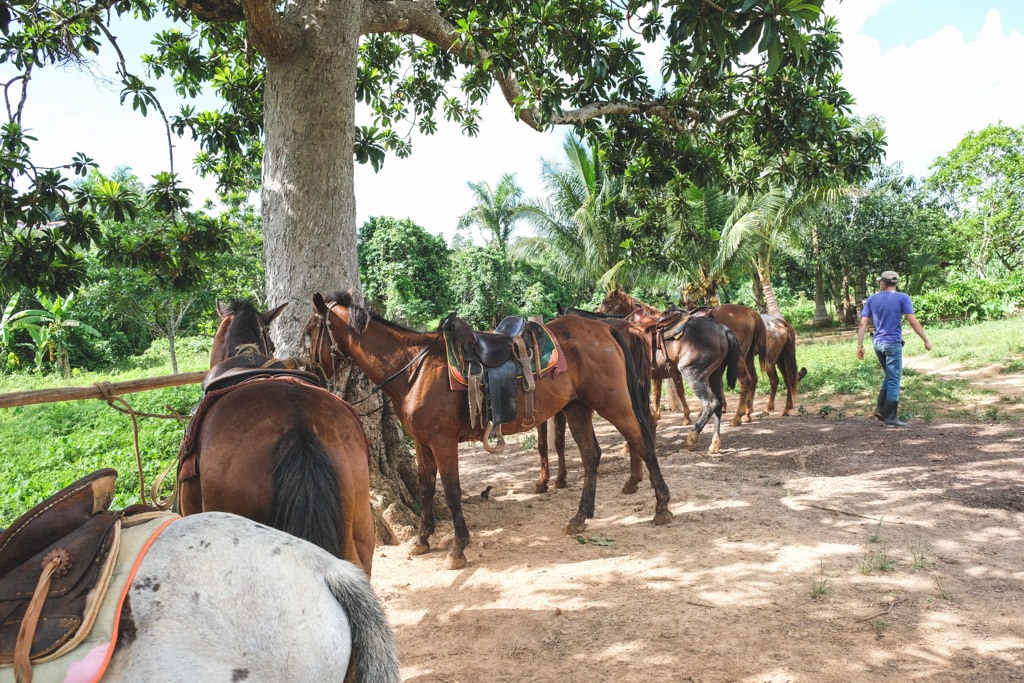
(374, 653)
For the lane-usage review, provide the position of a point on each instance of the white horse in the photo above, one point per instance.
(222, 598)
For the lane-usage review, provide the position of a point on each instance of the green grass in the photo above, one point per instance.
(45, 447)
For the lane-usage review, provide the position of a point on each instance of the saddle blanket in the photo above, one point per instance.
(552, 360)
(88, 660)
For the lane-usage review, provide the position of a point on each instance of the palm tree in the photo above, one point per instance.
(695, 220)
(496, 212)
(759, 226)
(577, 228)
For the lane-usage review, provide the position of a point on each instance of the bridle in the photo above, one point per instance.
(323, 330)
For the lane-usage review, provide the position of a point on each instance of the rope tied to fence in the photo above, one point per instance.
(106, 390)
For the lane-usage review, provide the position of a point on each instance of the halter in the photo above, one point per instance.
(323, 327)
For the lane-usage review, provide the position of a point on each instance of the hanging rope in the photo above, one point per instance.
(107, 391)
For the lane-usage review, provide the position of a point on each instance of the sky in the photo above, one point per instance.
(934, 70)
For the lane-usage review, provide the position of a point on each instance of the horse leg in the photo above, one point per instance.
(749, 412)
(741, 407)
(677, 381)
(542, 447)
(581, 424)
(709, 403)
(628, 424)
(773, 381)
(715, 383)
(453, 496)
(560, 449)
(426, 471)
(656, 403)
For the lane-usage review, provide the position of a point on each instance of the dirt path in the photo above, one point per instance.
(812, 549)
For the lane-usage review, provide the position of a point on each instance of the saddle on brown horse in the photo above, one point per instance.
(493, 363)
(226, 376)
(55, 562)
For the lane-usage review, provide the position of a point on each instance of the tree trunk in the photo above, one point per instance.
(757, 288)
(309, 218)
(173, 352)
(771, 305)
(821, 317)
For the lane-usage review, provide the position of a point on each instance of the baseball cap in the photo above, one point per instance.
(889, 275)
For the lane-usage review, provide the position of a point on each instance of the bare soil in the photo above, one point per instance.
(812, 549)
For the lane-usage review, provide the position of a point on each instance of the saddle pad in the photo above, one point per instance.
(552, 360)
(88, 658)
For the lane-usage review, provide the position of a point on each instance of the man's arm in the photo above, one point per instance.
(860, 337)
(916, 326)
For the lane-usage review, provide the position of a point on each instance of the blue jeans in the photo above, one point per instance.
(890, 357)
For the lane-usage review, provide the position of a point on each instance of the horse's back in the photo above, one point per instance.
(220, 597)
(259, 433)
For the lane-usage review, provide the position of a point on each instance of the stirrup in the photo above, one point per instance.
(499, 445)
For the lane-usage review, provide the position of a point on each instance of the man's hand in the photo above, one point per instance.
(860, 353)
(927, 346)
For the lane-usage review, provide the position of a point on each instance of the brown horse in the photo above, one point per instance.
(276, 448)
(640, 350)
(412, 369)
(620, 304)
(703, 350)
(750, 331)
(781, 353)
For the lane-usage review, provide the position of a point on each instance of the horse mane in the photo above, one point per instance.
(620, 303)
(359, 317)
(245, 323)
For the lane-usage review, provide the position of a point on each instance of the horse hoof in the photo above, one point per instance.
(691, 441)
(419, 548)
(541, 487)
(560, 484)
(736, 423)
(453, 562)
(662, 518)
(686, 422)
(576, 525)
(630, 486)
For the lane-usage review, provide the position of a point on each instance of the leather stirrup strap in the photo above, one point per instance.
(27, 632)
(525, 360)
(476, 396)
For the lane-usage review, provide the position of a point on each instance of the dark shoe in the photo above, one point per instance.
(879, 413)
(892, 409)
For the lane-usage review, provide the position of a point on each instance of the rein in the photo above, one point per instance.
(324, 327)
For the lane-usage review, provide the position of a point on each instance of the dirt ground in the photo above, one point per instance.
(812, 549)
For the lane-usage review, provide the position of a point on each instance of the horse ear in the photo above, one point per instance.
(319, 305)
(269, 316)
(222, 309)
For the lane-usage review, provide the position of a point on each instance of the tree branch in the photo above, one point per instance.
(276, 38)
(422, 18)
(214, 10)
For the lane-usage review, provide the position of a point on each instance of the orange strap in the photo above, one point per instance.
(124, 595)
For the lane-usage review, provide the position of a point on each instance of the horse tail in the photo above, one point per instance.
(787, 361)
(374, 653)
(641, 401)
(733, 358)
(642, 361)
(306, 490)
(760, 342)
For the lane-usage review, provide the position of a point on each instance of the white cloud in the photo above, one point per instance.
(934, 91)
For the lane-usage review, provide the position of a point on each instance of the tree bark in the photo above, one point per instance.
(768, 293)
(821, 317)
(309, 209)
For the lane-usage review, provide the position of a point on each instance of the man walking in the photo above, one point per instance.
(886, 309)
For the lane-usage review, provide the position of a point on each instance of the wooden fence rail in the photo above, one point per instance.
(27, 398)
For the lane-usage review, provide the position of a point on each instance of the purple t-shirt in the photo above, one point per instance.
(886, 309)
